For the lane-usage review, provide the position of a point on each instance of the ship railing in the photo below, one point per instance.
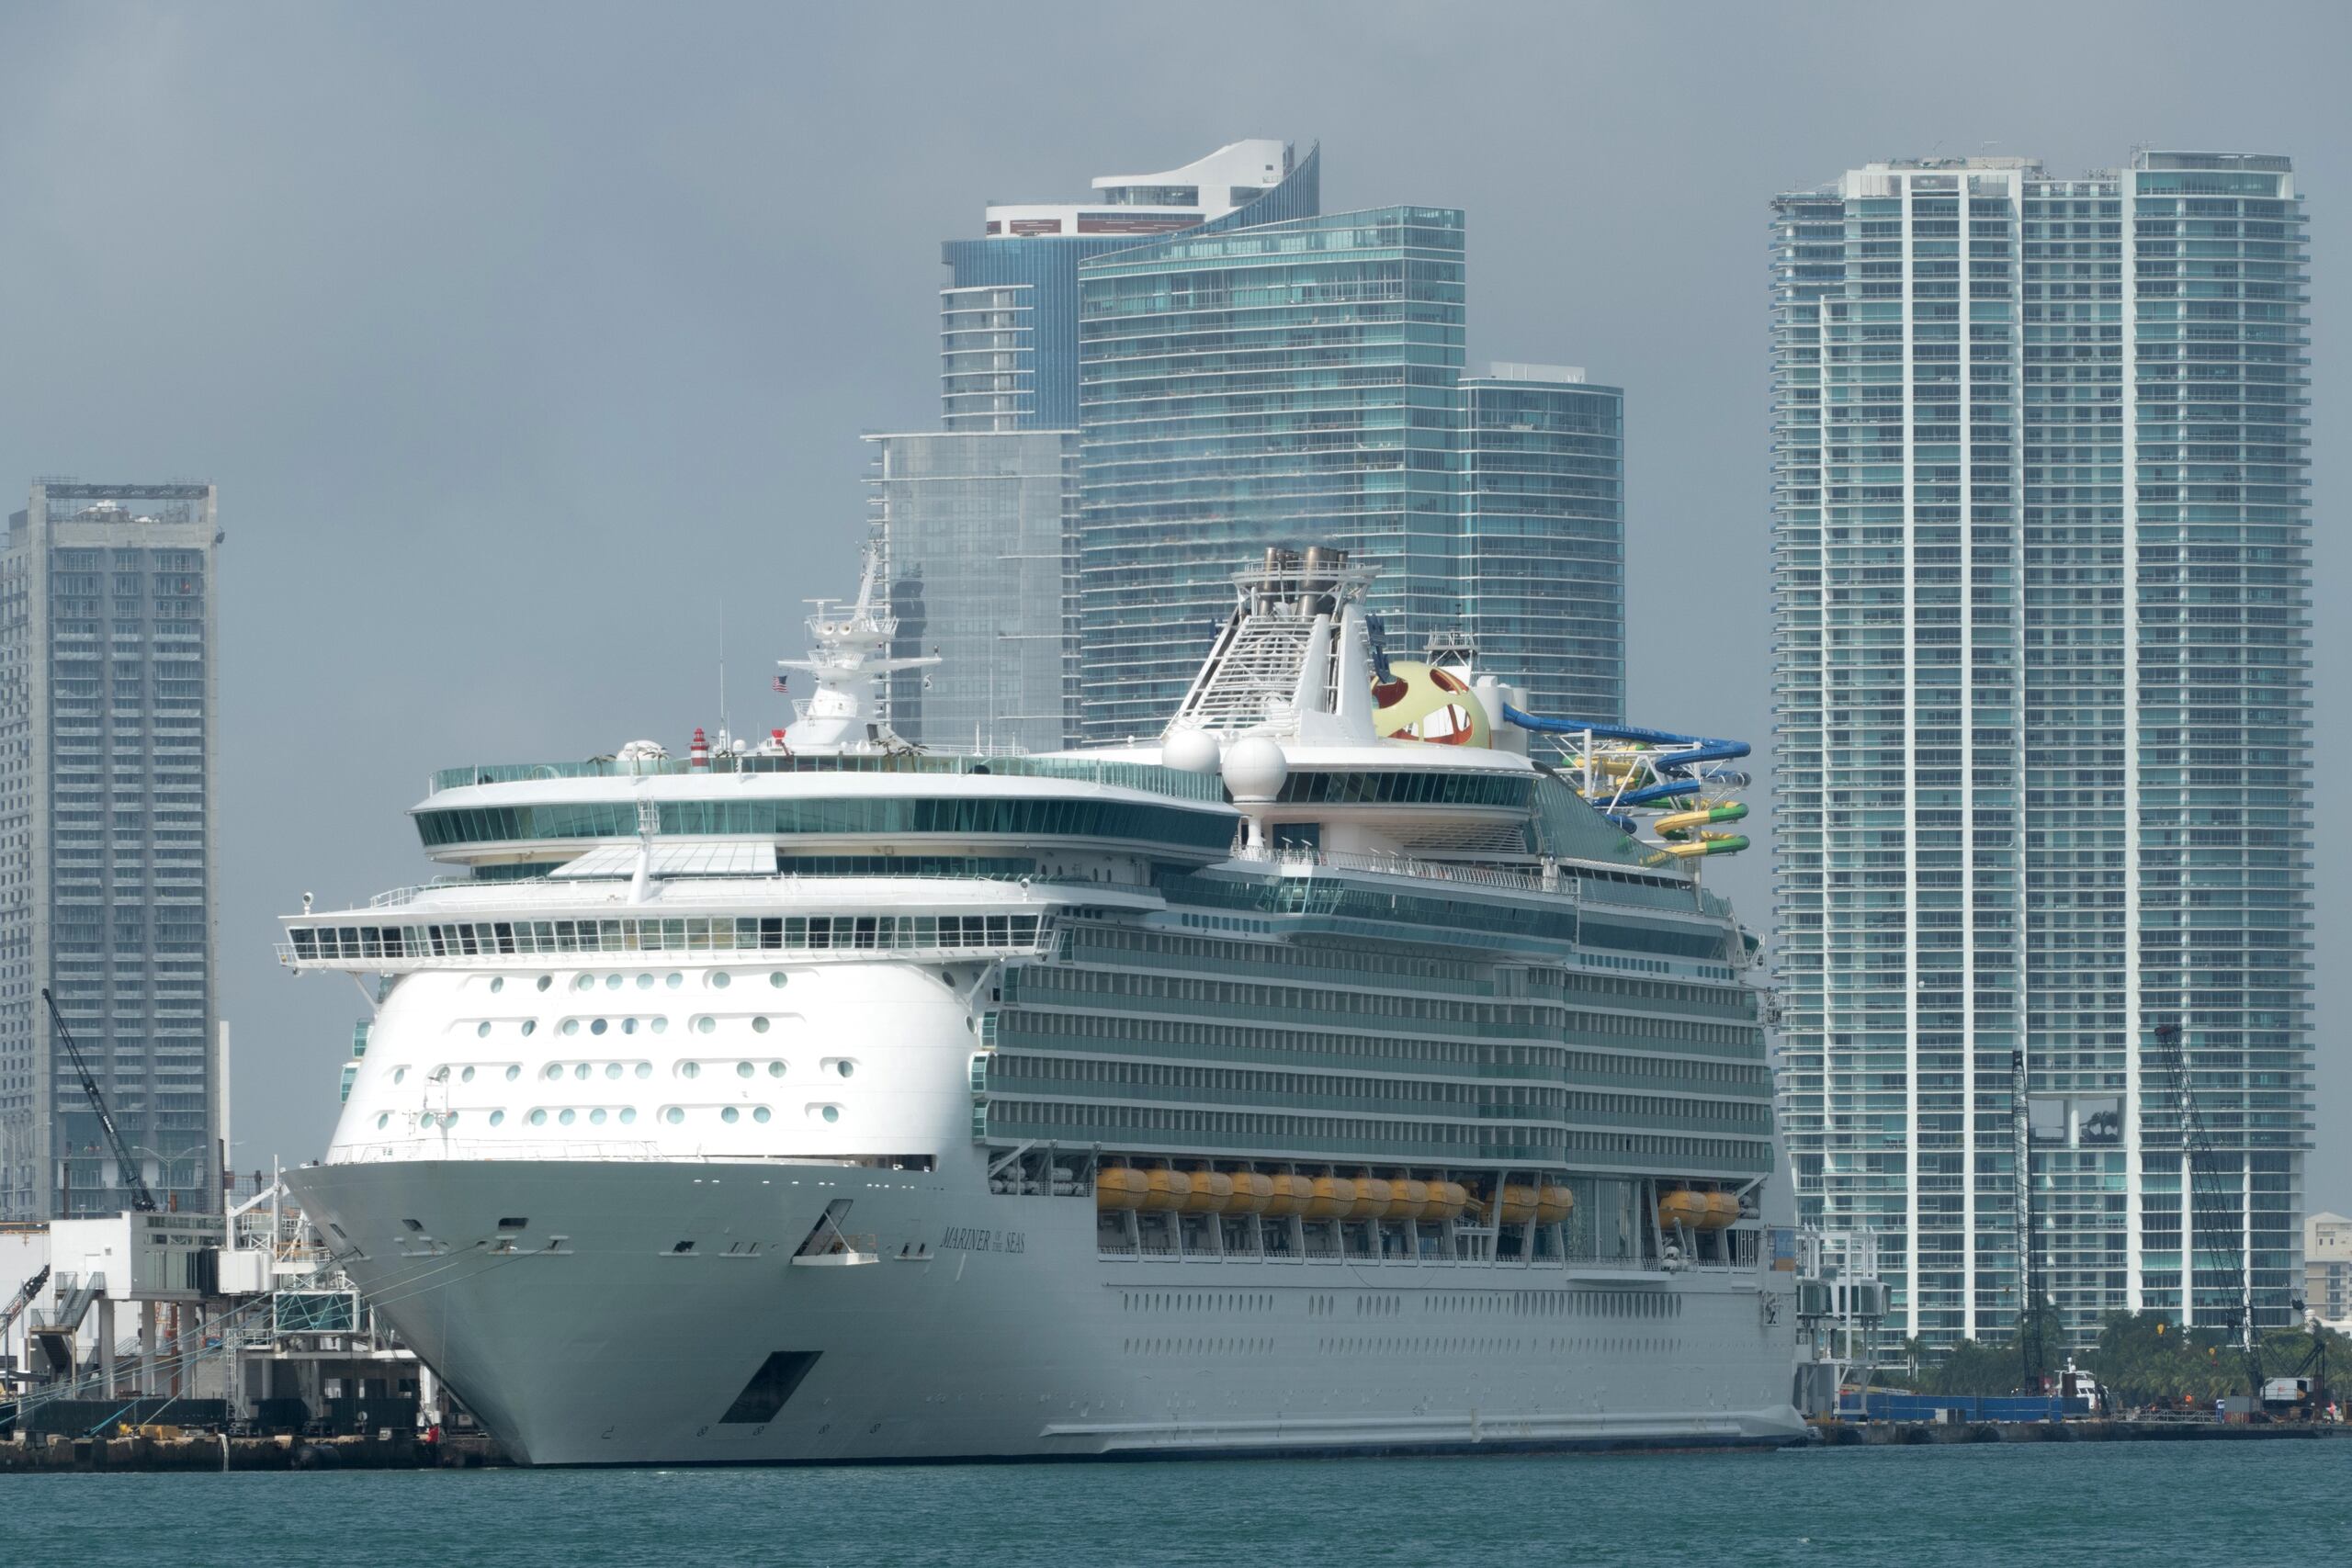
(398, 1149)
(1405, 865)
(539, 958)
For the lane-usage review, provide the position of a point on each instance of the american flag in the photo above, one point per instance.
(779, 683)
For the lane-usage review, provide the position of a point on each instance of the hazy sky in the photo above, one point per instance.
(523, 338)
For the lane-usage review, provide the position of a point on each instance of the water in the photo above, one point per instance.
(2211, 1504)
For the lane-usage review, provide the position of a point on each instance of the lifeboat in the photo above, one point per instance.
(1252, 1193)
(1118, 1187)
(1553, 1204)
(1446, 1201)
(1164, 1192)
(1212, 1188)
(1722, 1211)
(1685, 1208)
(1518, 1206)
(1289, 1197)
(1406, 1199)
(1373, 1194)
(1330, 1198)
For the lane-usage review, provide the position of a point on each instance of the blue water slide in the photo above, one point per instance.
(1705, 749)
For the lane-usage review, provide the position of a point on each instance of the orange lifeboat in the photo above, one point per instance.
(1211, 1190)
(1165, 1192)
(1330, 1198)
(1446, 1202)
(1118, 1187)
(1289, 1197)
(1553, 1204)
(1372, 1198)
(1519, 1206)
(1252, 1193)
(1406, 1199)
(1722, 1211)
(1685, 1208)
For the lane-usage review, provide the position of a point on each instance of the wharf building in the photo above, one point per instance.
(108, 687)
(2041, 612)
(977, 519)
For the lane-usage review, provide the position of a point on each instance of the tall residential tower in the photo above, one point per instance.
(107, 681)
(2041, 614)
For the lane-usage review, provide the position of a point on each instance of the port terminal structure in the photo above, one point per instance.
(1671, 791)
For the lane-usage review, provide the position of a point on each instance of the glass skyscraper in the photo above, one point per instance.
(107, 704)
(1543, 536)
(974, 528)
(2041, 614)
(1278, 383)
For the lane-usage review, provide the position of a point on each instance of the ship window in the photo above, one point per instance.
(846, 1067)
(555, 1069)
(545, 981)
(597, 1027)
(513, 1073)
(777, 978)
(645, 1069)
(744, 1069)
(628, 1114)
(690, 1070)
(568, 1117)
(572, 1026)
(673, 1115)
(465, 1076)
(705, 1023)
(497, 1117)
(675, 980)
(583, 982)
(384, 1118)
(628, 1026)
(581, 1071)
(398, 1073)
(530, 1026)
(497, 983)
(645, 982)
(719, 979)
(596, 1116)
(759, 1026)
(682, 1248)
(539, 1118)
(612, 982)
(730, 1114)
(832, 1112)
(482, 1030)
(775, 1069)
(661, 1026)
(759, 1113)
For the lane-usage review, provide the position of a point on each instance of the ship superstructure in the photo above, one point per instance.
(1330, 1075)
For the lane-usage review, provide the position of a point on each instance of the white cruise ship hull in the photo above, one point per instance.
(989, 1326)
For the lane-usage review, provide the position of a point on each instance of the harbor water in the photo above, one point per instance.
(2153, 1503)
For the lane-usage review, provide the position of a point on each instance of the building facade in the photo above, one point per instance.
(1278, 383)
(975, 531)
(108, 687)
(1543, 536)
(2327, 1269)
(2040, 624)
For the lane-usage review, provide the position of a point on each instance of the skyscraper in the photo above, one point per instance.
(2041, 605)
(982, 570)
(1543, 536)
(977, 543)
(107, 701)
(1240, 387)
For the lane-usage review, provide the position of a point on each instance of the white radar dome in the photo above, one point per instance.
(1190, 751)
(1255, 769)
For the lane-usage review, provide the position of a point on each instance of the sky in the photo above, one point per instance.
(526, 342)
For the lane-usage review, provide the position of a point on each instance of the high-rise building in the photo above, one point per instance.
(974, 525)
(1543, 536)
(1278, 383)
(2041, 630)
(1009, 316)
(106, 700)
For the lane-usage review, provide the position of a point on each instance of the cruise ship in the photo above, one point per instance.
(1331, 1076)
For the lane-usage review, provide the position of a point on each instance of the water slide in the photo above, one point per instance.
(1626, 768)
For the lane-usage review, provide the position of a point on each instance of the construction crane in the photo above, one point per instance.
(21, 1300)
(2210, 1210)
(140, 1198)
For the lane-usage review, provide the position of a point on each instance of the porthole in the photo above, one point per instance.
(399, 1073)
(705, 1023)
(568, 1117)
(775, 1069)
(661, 1026)
(673, 1115)
(720, 979)
(742, 1069)
(832, 1114)
(845, 1068)
(645, 1069)
(497, 1118)
(539, 1118)
(448, 1119)
(596, 1117)
(425, 1120)
(384, 1118)
(597, 1027)
(645, 982)
(675, 980)
(482, 1030)
(730, 1114)
(530, 1026)
(690, 1070)
(545, 981)
(581, 1071)
(760, 1114)
(513, 1073)
(628, 1114)
(612, 982)
(759, 1026)
(612, 1069)
(465, 1076)
(497, 984)
(776, 979)
(628, 1026)
(555, 1069)
(572, 1026)
(583, 982)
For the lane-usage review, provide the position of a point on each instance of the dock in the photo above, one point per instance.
(211, 1451)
